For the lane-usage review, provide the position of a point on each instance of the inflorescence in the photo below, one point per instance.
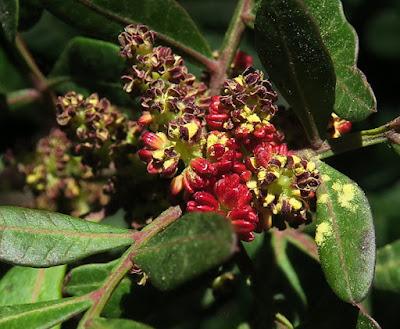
(221, 153)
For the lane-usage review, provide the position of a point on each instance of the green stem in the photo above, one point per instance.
(101, 296)
(388, 132)
(38, 79)
(230, 44)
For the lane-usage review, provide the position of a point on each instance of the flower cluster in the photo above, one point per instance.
(95, 126)
(60, 180)
(223, 153)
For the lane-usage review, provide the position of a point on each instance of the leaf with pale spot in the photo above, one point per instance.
(345, 235)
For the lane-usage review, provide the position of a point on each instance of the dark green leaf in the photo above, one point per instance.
(396, 148)
(188, 247)
(41, 315)
(14, 80)
(39, 285)
(102, 323)
(90, 65)
(302, 241)
(387, 273)
(290, 47)
(106, 19)
(9, 18)
(345, 235)
(30, 12)
(279, 243)
(355, 99)
(41, 238)
(86, 278)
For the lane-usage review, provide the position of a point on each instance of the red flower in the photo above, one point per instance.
(231, 198)
(218, 117)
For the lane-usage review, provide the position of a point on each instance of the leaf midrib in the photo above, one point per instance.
(74, 234)
(339, 241)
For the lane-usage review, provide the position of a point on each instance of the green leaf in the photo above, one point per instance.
(106, 19)
(188, 247)
(15, 79)
(345, 235)
(101, 323)
(41, 315)
(302, 241)
(9, 18)
(279, 243)
(355, 99)
(39, 285)
(87, 278)
(365, 321)
(41, 238)
(90, 65)
(290, 47)
(387, 272)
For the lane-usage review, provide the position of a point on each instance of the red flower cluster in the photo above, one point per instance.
(234, 159)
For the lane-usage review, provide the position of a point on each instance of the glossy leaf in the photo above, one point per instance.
(9, 18)
(290, 47)
(41, 238)
(387, 272)
(86, 278)
(279, 243)
(345, 235)
(355, 99)
(101, 323)
(90, 65)
(41, 315)
(188, 247)
(39, 285)
(106, 19)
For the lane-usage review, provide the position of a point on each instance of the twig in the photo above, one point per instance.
(354, 141)
(38, 79)
(23, 96)
(101, 296)
(230, 44)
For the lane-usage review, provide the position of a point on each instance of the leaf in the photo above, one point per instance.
(41, 238)
(14, 80)
(279, 243)
(94, 65)
(87, 278)
(39, 284)
(345, 235)
(106, 19)
(302, 241)
(188, 247)
(387, 272)
(101, 323)
(41, 315)
(290, 47)
(30, 12)
(365, 321)
(9, 18)
(355, 100)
